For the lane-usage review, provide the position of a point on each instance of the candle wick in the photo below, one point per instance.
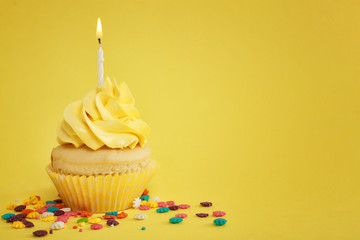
(99, 40)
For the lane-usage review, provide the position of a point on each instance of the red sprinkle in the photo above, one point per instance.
(181, 215)
(218, 213)
(162, 204)
(184, 206)
(41, 210)
(144, 208)
(75, 227)
(146, 192)
(108, 217)
(27, 211)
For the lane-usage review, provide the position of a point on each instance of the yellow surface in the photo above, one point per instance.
(253, 106)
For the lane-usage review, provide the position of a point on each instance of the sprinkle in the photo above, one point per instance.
(33, 215)
(162, 204)
(58, 200)
(94, 220)
(59, 212)
(21, 215)
(75, 227)
(218, 213)
(111, 213)
(170, 203)
(27, 211)
(62, 218)
(162, 210)
(40, 233)
(220, 221)
(27, 223)
(144, 208)
(41, 210)
(175, 220)
(52, 209)
(66, 209)
(181, 215)
(19, 208)
(206, 204)
(81, 224)
(48, 218)
(60, 206)
(51, 231)
(18, 225)
(143, 203)
(184, 206)
(145, 197)
(143, 228)
(96, 226)
(80, 230)
(152, 204)
(86, 214)
(108, 217)
(146, 192)
(122, 215)
(70, 213)
(140, 216)
(58, 225)
(82, 220)
(174, 207)
(11, 206)
(50, 202)
(7, 215)
(112, 222)
(202, 215)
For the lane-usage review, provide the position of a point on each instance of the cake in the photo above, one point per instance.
(102, 161)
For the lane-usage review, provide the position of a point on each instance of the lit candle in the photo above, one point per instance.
(100, 54)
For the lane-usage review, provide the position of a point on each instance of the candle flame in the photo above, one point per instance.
(98, 29)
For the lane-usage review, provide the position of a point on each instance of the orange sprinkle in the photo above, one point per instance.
(86, 214)
(108, 217)
(27, 211)
(122, 215)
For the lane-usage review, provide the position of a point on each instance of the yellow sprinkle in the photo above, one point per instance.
(81, 224)
(40, 204)
(143, 203)
(48, 218)
(33, 199)
(94, 220)
(152, 204)
(33, 215)
(18, 225)
(11, 206)
(26, 201)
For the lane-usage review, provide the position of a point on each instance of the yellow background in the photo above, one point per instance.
(253, 105)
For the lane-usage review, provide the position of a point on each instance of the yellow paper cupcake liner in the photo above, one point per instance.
(101, 193)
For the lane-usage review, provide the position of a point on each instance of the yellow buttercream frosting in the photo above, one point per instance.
(106, 116)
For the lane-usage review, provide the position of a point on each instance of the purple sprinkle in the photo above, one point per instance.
(21, 215)
(40, 233)
(58, 201)
(19, 208)
(112, 222)
(202, 215)
(59, 212)
(174, 207)
(13, 219)
(51, 231)
(27, 223)
(206, 204)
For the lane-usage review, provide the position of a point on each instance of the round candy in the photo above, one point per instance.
(174, 207)
(184, 206)
(220, 221)
(112, 222)
(175, 220)
(202, 215)
(218, 213)
(40, 233)
(181, 215)
(96, 226)
(206, 204)
(7, 215)
(162, 210)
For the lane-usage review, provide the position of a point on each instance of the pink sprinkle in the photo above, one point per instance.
(49, 205)
(162, 204)
(181, 215)
(38, 197)
(62, 218)
(218, 214)
(184, 206)
(70, 213)
(144, 208)
(37, 217)
(96, 226)
(170, 203)
(41, 210)
(80, 230)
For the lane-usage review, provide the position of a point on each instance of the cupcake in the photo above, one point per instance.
(102, 162)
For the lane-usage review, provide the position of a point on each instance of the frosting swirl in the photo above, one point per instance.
(106, 116)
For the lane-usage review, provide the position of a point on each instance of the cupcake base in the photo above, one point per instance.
(101, 193)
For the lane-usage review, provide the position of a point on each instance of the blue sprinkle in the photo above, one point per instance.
(145, 198)
(220, 221)
(175, 220)
(143, 228)
(162, 210)
(50, 202)
(7, 215)
(111, 213)
(52, 209)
